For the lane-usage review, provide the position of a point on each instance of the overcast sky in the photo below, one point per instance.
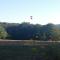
(43, 11)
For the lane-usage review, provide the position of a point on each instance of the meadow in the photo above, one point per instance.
(17, 51)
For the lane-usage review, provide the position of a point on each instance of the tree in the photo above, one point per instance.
(56, 34)
(3, 33)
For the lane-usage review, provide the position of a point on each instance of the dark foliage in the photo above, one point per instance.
(50, 52)
(27, 31)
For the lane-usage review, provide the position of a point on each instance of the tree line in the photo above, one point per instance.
(27, 31)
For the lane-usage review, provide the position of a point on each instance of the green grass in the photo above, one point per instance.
(50, 52)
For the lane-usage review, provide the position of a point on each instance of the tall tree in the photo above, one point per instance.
(3, 33)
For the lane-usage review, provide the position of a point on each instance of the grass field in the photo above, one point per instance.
(13, 50)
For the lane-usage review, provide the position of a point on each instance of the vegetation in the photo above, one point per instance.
(27, 31)
(3, 33)
(50, 52)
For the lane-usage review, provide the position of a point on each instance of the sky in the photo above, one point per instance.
(18, 11)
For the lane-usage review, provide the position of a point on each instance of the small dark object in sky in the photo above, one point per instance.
(31, 17)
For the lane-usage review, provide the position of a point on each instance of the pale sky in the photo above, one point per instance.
(17, 11)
